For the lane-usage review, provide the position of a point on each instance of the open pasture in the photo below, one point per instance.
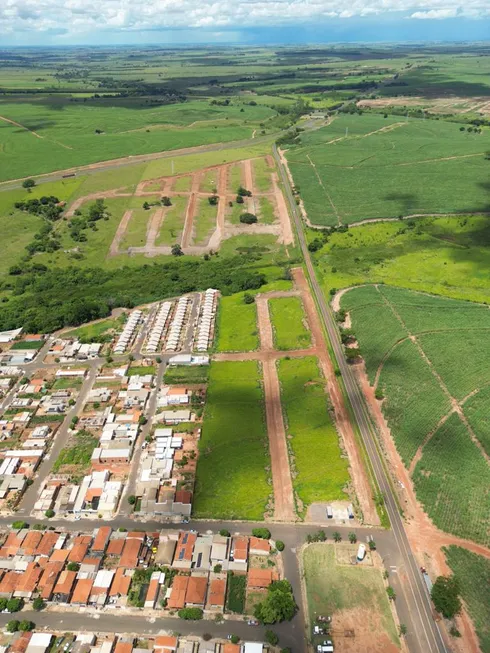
(447, 256)
(422, 376)
(289, 323)
(234, 444)
(366, 167)
(309, 428)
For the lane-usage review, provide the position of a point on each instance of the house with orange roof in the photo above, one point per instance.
(231, 648)
(195, 596)
(64, 587)
(115, 547)
(184, 550)
(28, 581)
(217, 593)
(257, 546)
(46, 545)
(120, 584)
(8, 584)
(30, 543)
(131, 551)
(165, 644)
(49, 579)
(101, 540)
(260, 578)
(82, 591)
(177, 595)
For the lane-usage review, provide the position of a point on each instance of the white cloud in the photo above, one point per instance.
(76, 16)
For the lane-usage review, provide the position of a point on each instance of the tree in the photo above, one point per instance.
(28, 184)
(248, 218)
(279, 545)
(217, 568)
(12, 626)
(271, 637)
(73, 566)
(15, 605)
(243, 192)
(26, 626)
(38, 604)
(403, 630)
(248, 298)
(445, 595)
(177, 250)
(352, 538)
(372, 545)
(279, 604)
(146, 206)
(239, 199)
(337, 536)
(224, 533)
(166, 201)
(391, 593)
(19, 525)
(131, 499)
(234, 639)
(49, 513)
(190, 614)
(262, 533)
(213, 200)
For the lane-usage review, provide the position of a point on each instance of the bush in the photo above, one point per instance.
(248, 298)
(190, 614)
(279, 545)
(15, 605)
(26, 626)
(445, 595)
(217, 568)
(391, 593)
(234, 639)
(49, 513)
(131, 499)
(248, 218)
(224, 533)
(262, 533)
(12, 626)
(207, 636)
(38, 604)
(73, 566)
(19, 525)
(271, 637)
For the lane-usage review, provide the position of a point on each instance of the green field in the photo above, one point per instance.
(447, 256)
(332, 588)
(235, 178)
(309, 428)
(182, 184)
(237, 325)
(173, 222)
(179, 374)
(473, 575)
(234, 444)
(91, 332)
(204, 222)
(266, 213)
(262, 175)
(136, 232)
(387, 167)
(421, 380)
(289, 323)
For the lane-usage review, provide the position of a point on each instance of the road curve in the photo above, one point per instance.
(423, 635)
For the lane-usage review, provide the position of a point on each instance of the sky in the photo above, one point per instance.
(173, 22)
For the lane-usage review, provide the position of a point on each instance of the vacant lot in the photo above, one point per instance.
(447, 256)
(92, 332)
(309, 429)
(419, 370)
(473, 574)
(231, 478)
(289, 323)
(237, 324)
(355, 598)
(364, 167)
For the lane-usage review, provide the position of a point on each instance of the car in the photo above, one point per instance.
(252, 622)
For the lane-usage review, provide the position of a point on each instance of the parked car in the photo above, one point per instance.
(252, 622)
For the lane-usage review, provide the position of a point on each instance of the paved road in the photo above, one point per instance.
(415, 609)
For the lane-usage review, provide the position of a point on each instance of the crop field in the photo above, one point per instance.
(310, 428)
(354, 596)
(421, 375)
(473, 575)
(289, 323)
(62, 135)
(447, 256)
(234, 443)
(366, 167)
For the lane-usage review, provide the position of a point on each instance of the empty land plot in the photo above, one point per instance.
(309, 429)
(473, 575)
(445, 255)
(389, 167)
(266, 211)
(237, 324)
(235, 177)
(234, 212)
(204, 221)
(452, 480)
(173, 222)
(209, 181)
(92, 332)
(289, 323)
(354, 596)
(478, 415)
(234, 443)
(182, 184)
(136, 231)
(262, 174)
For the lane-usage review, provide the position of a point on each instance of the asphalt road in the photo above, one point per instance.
(413, 605)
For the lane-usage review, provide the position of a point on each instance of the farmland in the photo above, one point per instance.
(418, 370)
(234, 442)
(354, 596)
(366, 167)
(310, 428)
(289, 323)
(447, 256)
(473, 575)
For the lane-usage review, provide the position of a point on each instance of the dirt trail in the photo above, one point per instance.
(281, 475)
(154, 226)
(119, 235)
(264, 322)
(342, 418)
(115, 192)
(283, 214)
(191, 209)
(18, 124)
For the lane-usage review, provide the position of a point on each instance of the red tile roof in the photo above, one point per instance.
(179, 589)
(196, 590)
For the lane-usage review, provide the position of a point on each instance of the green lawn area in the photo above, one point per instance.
(209, 181)
(332, 588)
(410, 167)
(204, 221)
(445, 256)
(28, 344)
(310, 429)
(173, 222)
(262, 175)
(266, 214)
(234, 212)
(182, 184)
(186, 374)
(67, 383)
(141, 370)
(135, 234)
(237, 324)
(235, 595)
(235, 179)
(92, 332)
(288, 323)
(473, 574)
(231, 481)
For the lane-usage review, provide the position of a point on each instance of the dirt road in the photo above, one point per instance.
(119, 235)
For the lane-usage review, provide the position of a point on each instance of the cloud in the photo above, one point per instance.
(78, 16)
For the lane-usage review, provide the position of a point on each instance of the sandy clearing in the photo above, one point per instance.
(119, 235)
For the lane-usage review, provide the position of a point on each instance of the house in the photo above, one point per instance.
(120, 584)
(219, 549)
(183, 552)
(201, 555)
(100, 588)
(166, 549)
(131, 551)
(115, 547)
(260, 578)
(27, 583)
(252, 647)
(217, 593)
(82, 591)
(165, 644)
(195, 595)
(39, 643)
(157, 579)
(231, 648)
(49, 579)
(64, 587)
(174, 417)
(239, 554)
(258, 546)
(176, 600)
(101, 540)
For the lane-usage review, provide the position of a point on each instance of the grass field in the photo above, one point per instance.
(310, 428)
(234, 444)
(182, 184)
(420, 380)
(235, 178)
(289, 323)
(136, 232)
(266, 213)
(262, 175)
(90, 332)
(364, 167)
(473, 574)
(204, 221)
(184, 374)
(173, 222)
(344, 591)
(447, 256)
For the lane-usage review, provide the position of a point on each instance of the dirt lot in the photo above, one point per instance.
(365, 624)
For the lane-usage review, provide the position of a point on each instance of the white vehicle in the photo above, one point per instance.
(361, 552)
